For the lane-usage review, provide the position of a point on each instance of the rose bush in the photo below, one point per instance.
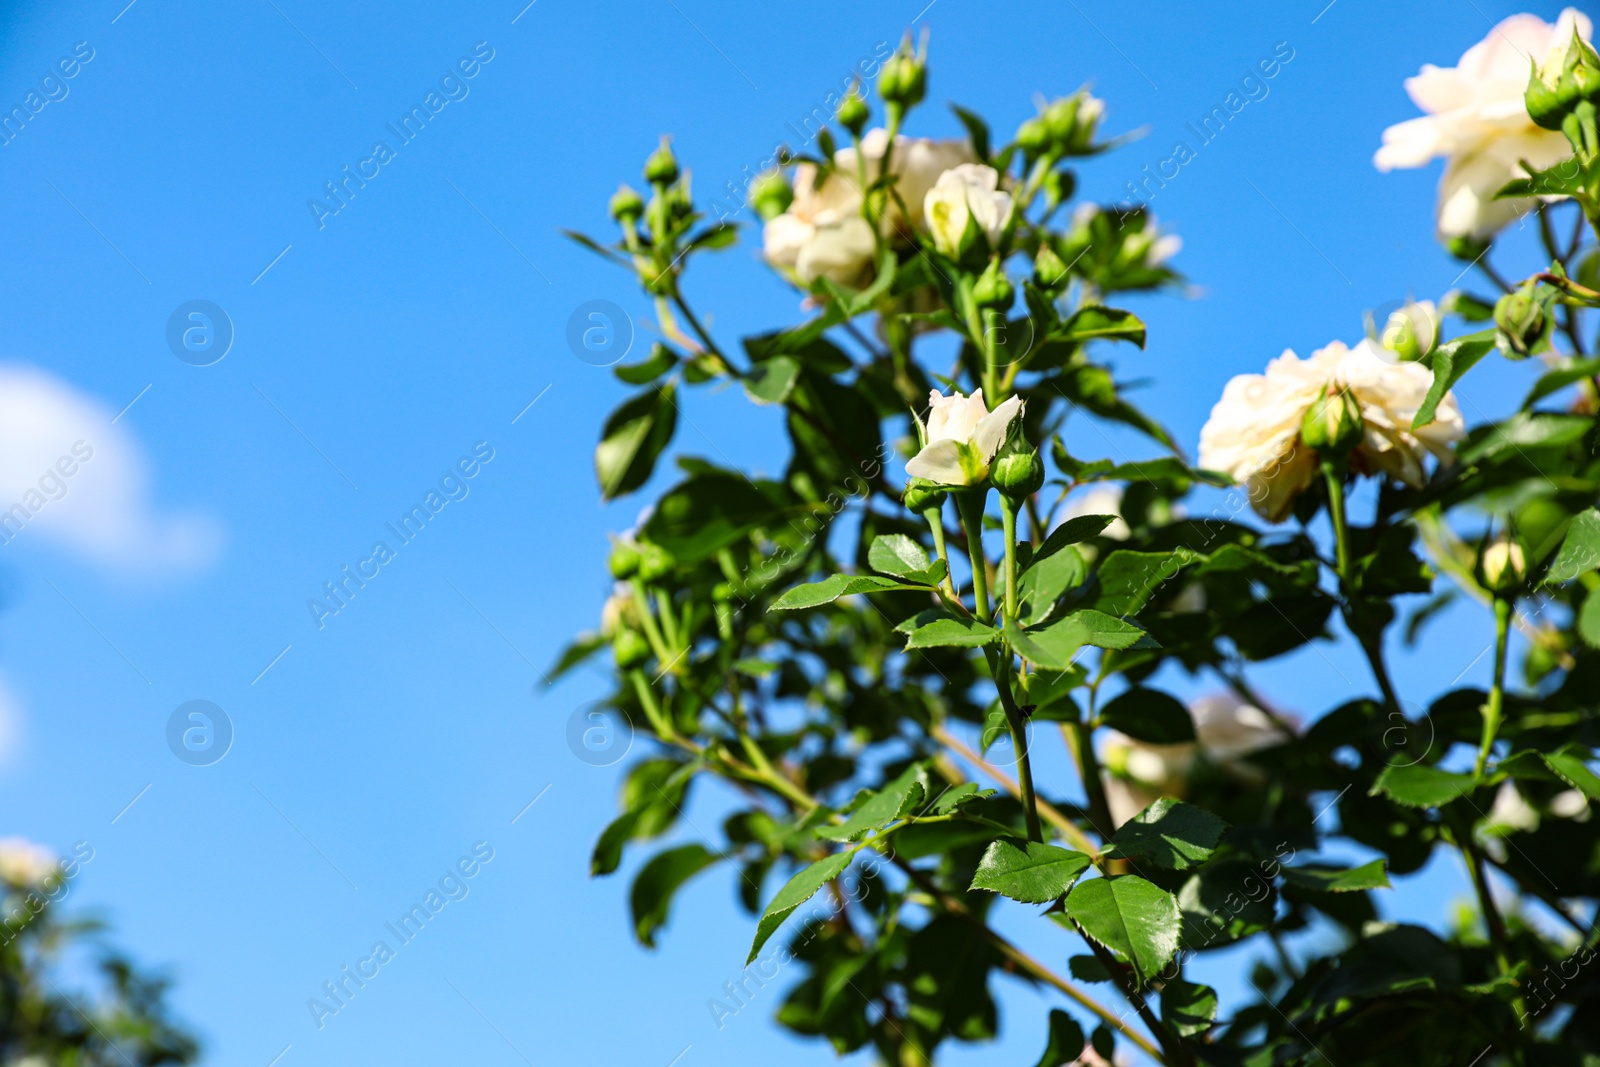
(871, 647)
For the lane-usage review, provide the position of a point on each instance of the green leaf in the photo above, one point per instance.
(1092, 323)
(1088, 968)
(1580, 548)
(660, 360)
(941, 629)
(1065, 1043)
(1527, 429)
(1421, 786)
(1452, 360)
(977, 132)
(1188, 1007)
(1572, 370)
(772, 382)
(1566, 178)
(1570, 764)
(1042, 584)
(658, 880)
(1055, 646)
(898, 555)
(633, 439)
(832, 588)
(875, 810)
(711, 511)
(958, 796)
(795, 892)
(1076, 529)
(1131, 917)
(1128, 579)
(1338, 879)
(1029, 871)
(1170, 834)
(717, 235)
(1589, 619)
(1149, 715)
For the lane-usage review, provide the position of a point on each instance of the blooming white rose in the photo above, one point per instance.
(970, 191)
(25, 864)
(823, 233)
(1227, 730)
(1477, 120)
(1254, 430)
(961, 438)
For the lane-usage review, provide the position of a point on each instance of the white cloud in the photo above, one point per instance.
(68, 474)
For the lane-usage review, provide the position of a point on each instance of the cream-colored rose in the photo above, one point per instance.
(1477, 120)
(25, 864)
(961, 438)
(823, 234)
(1254, 430)
(1227, 730)
(970, 192)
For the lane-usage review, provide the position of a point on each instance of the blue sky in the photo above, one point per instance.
(375, 349)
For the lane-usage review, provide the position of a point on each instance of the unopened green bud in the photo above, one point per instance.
(1033, 135)
(1502, 565)
(626, 205)
(1569, 74)
(1048, 269)
(624, 561)
(771, 194)
(1467, 248)
(630, 649)
(1521, 323)
(853, 113)
(993, 288)
(1333, 422)
(662, 166)
(1412, 332)
(904, 79)
(655, 562)
(1017, 470)
(1073, 120)
(921, 495)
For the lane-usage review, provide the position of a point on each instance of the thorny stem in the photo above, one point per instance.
(1052, 815)
(935, 517)
(1000, 666)
(1008, 517)
(969, 503)
(1492, 709)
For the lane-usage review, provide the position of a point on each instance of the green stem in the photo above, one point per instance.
(1333, 474)
(652, 709)
(969, 502)
(1000, 666)
(935, 517)
(1008, 517)
(1492, 710)
(647, 619)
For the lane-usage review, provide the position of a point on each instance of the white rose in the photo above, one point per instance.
(25, 864)
(969, 192)
(1477, 120)
(961, 438)
(1226, 729)
(1254, 430)
(823, 233)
